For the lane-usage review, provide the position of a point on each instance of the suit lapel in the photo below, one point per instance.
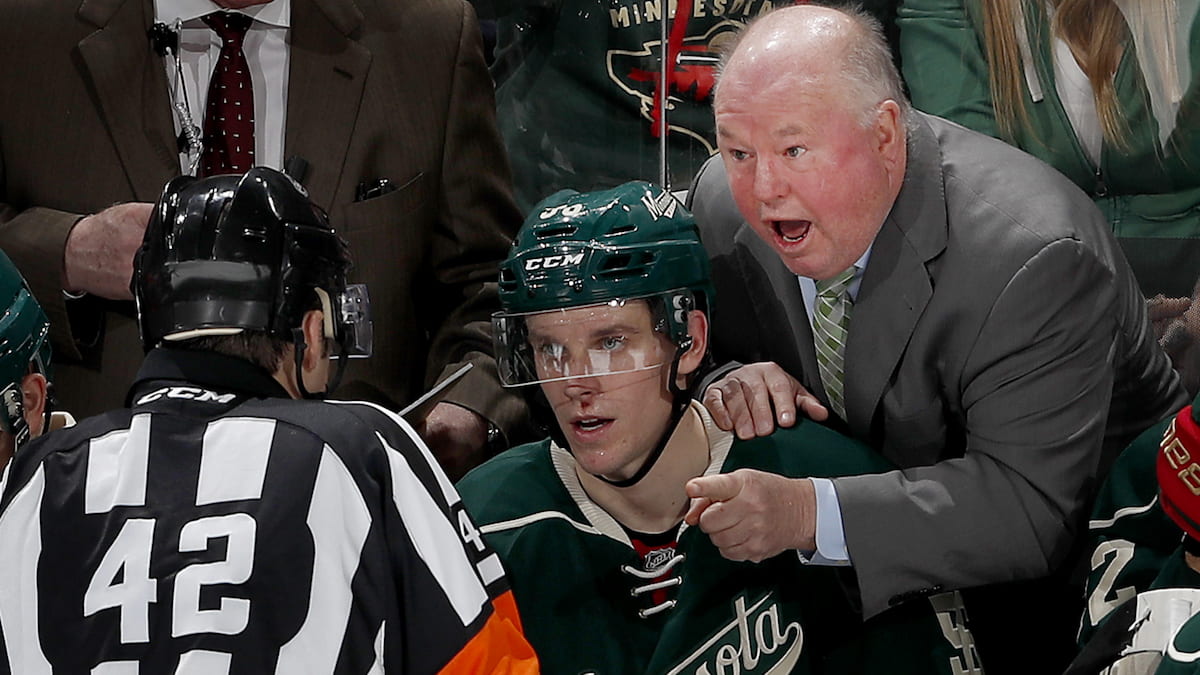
(897, 285)
(130, 86)
(325, 89)
(779, 291)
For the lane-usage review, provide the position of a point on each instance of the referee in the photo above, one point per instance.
(224, 524)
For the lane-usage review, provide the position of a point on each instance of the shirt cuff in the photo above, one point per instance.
(831, 540)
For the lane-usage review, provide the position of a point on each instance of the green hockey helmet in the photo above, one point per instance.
(24, 340)
(599, 250)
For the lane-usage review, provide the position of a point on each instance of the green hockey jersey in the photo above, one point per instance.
(590, 603)
(1132, 537)
(577, 89)
(1155, 632)
(1140, 593)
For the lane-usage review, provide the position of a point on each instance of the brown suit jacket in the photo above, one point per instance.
(391, 89)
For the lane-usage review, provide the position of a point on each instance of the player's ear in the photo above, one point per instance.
(698, 330)
(34, 396)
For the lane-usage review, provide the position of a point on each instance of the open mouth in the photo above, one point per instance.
(591, 424)
(791, 231)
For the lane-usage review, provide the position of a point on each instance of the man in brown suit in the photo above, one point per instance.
(374, 89)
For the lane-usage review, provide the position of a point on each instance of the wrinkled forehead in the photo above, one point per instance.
(757, 88)
(616, 315)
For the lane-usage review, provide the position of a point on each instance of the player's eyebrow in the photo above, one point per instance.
(614, 328)
(601, 331)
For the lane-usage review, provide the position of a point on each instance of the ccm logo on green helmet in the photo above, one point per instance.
(552, 261)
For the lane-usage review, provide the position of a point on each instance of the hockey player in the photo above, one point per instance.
(1143, 601)
(218, 526)
(606, 300)
(24, 365)
(1132, 537)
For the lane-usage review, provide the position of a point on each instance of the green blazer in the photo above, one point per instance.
(1150, 192)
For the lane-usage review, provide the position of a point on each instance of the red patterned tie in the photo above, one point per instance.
(229, 114)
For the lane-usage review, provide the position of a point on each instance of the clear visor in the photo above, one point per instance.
(620, 336)
(353, 311)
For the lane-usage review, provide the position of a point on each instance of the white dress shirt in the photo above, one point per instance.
(266, 48)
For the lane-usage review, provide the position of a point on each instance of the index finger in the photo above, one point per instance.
(717, 488)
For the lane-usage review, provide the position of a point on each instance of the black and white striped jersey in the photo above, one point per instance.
(214, 529)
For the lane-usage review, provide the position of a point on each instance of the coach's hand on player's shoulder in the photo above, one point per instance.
(457, 436)
(99, 253)
(750, 400)
(754, 515)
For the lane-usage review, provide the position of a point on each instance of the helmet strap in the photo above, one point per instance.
(48, 406)
(332, 330)
(680, 399)
(342, 360)
(299, 346)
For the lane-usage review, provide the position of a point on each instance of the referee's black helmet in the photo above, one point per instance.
(230, 253)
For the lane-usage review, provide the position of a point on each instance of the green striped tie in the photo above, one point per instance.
(830, 320)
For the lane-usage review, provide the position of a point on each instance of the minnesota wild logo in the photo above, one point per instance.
(690, 84)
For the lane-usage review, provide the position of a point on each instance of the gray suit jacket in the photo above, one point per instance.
(995, 322)
(391, 89)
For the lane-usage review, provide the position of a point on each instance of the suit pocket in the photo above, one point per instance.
(389, 238)
(408, 199)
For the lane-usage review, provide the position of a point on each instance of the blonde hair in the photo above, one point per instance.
(1095, 31)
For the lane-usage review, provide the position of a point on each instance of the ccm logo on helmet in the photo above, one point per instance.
(188, 393)
(552, 261)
